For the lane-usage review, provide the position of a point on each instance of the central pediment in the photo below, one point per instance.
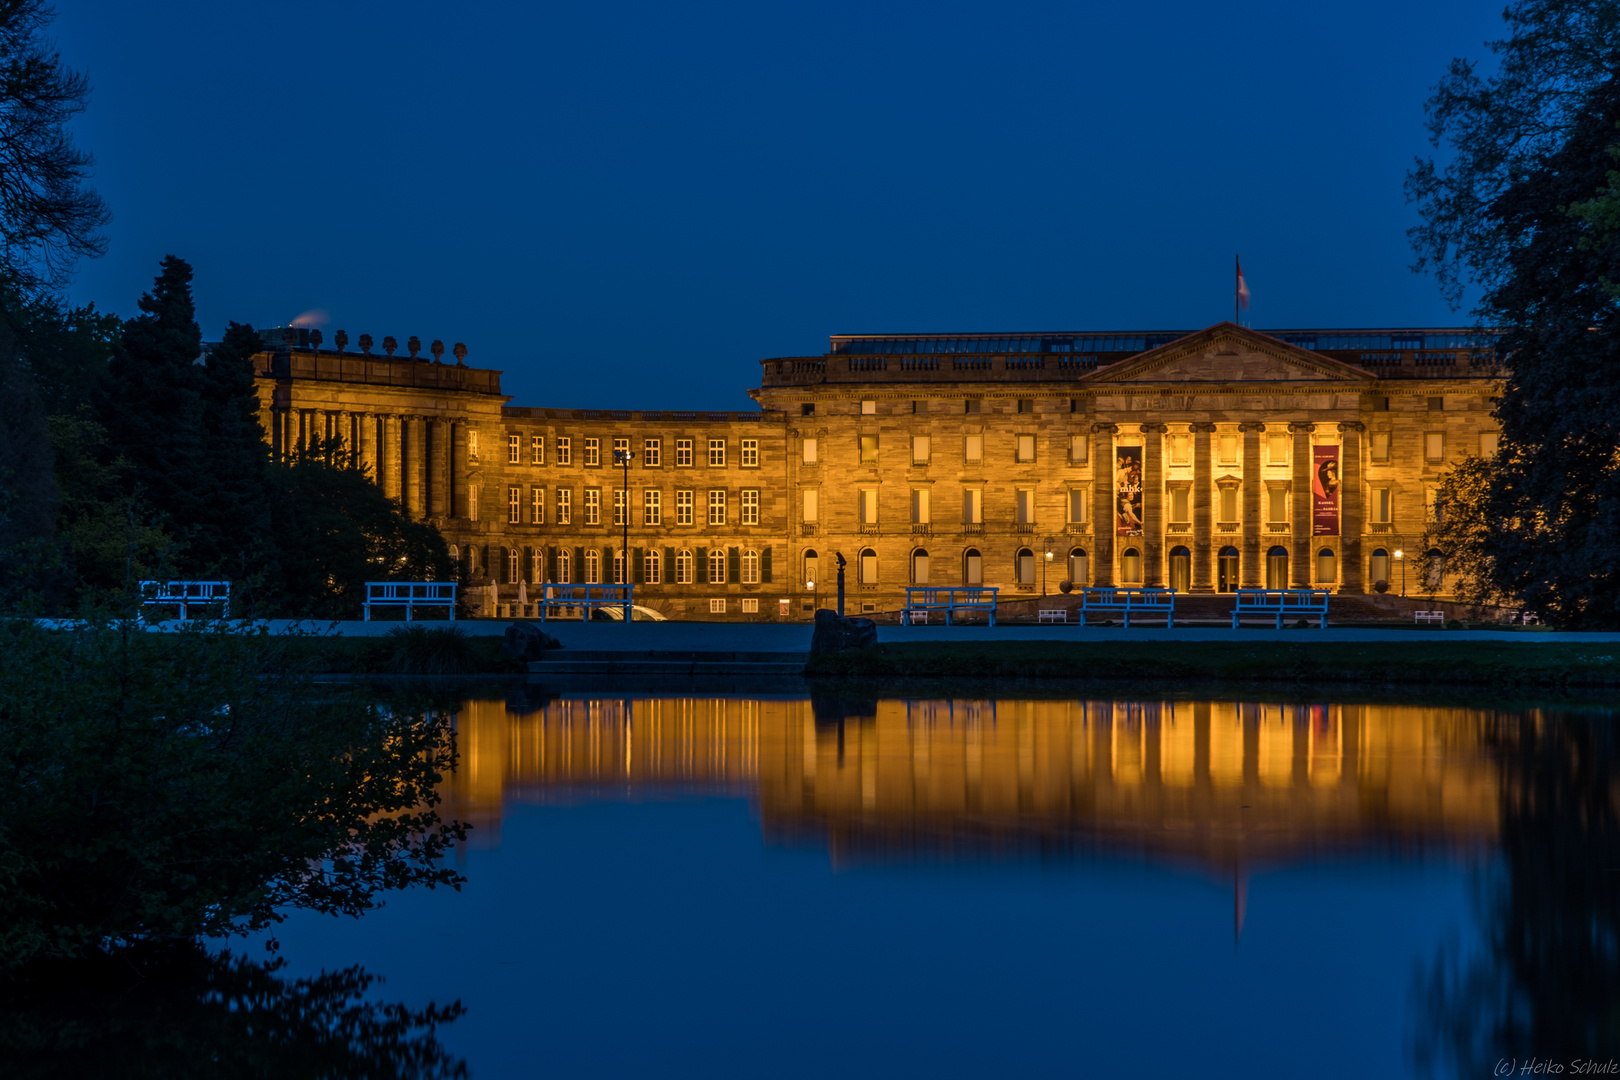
(1228, 353)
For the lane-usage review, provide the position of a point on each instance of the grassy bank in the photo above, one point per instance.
(419, 651)
(1416, 663)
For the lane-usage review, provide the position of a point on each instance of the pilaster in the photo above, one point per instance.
(1203, 548)
(1300, 562)
(1253, 568)
(1351, 508)
(1104, 512)
(1153, 504)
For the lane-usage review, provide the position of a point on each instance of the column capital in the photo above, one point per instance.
(1098, 429)
(1251, 425)
(1152, 429)
(1352, 425)
(1202, 428)
(1301, 428)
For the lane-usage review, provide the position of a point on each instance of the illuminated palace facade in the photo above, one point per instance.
(1202, 461)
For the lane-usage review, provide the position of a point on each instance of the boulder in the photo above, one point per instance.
(525, 641)
(834, 633)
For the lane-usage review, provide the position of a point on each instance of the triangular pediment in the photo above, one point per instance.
(1228, 353)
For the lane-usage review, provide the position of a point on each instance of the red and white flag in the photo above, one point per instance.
(1242, 289)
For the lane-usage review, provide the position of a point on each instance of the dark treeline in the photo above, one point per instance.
(129, 452)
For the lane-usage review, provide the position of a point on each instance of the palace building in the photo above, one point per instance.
(1202, 461)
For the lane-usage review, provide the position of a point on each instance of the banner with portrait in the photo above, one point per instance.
(1325, 491)
(1128, 490)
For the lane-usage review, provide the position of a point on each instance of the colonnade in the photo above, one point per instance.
(418, 460)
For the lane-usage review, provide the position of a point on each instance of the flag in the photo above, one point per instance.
(1242, 289)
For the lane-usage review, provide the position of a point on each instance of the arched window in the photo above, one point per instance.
(455, 554)
(1327, 567)
(1079, 567)
(972, 567)
(653, 566)
(717, 566)
(513, 568)
(620, 566)
(593, 567)
(869, 573)
(565, 566)
(812, 569)
(1434, 572)
(537, 564)
(750, 567)
(1227, 578)
(1180, 569)
(919, 567)
(1024, 564)
(683, 566)
(1378, 568)
(1130, 567)
(472, 559)
(1277, 568)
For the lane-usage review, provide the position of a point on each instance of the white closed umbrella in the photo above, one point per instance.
(494, 600)
(523, 597)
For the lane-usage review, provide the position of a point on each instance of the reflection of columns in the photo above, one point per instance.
(1350, 516)
(1303, 504)
(1203, 533)
(1102, 457)
(1253, 576)
(1152, 503)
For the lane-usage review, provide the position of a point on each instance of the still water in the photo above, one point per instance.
(762, 885)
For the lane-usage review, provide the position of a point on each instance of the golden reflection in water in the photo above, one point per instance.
(1221, 784)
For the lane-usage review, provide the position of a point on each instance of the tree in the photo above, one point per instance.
(49, 216)
(1500, 127)
(227, 521)
(1464, 530)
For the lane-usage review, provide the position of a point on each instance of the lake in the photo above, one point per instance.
(759, 884)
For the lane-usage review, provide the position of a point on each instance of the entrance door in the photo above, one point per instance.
(1026, 566)
(973, 570)
(1180, 570)
(1227, 577)
(1277, 568)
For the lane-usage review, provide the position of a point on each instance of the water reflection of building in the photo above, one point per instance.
(1216, 783)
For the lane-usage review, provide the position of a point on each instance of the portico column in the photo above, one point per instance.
(1152, 503)
(410, 479)
(1252, 567)
(429, 488)
(455, 469)
(1300, 573)
(1203, 579)
(1104, 511)
(1350, 503)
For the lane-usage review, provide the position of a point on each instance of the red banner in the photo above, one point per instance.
(1128, 490)
(1325, 492)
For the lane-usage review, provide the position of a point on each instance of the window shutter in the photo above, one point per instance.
(700, 574)
(579, 564)
(551, 564)
(527, 566)
(733, 565)
(639, 565)
(607, 566)
(483, 559)
(669, 566)
(765, 565)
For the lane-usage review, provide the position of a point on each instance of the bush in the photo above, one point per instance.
(431, 650)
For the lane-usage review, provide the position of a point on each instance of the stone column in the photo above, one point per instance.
(1102, 468)
(1152, 504)
(1203, 548)
(456, 448)
(431, 484)
(1253, 569)
(1351, 514)
(1300, 570)
(410, 478)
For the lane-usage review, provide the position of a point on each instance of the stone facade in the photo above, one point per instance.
(930, 467)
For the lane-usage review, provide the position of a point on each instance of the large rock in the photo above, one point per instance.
(834, 633)
(526, 642)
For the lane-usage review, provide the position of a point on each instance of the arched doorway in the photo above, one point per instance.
(1130, 567)
(1277, 568)
(1434, 573)
(812, 569)
(1378, 569)
(869, 569)
(1079, 567)
(919, 567)
(1024, 563)
(1180, 569)
(1226, 579)
(972, 567)
(1327, 567)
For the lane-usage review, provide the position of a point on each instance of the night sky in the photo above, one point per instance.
(629, 205)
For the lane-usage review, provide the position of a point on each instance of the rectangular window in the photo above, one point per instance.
(1488, 442)
(1229, 504)
(750, 453)
(717, 453)
(868, 408)
(868, 506)
(654, 566)
(537, 450)
(1077, 505)
(683, 508)
(972, 506)
(621, 507)
(472, 445)
(974, 450)
(717, 506)
(621, 447)
(565, 506)
(809, 447)
(1277, 505)
(921, 511)
(593, 506)
(472, 502)
(683, 453)
(537, 506)
(537, 564)
(1180, 452)
(1079, 449)
(1434, 445)
(812, 504)
(1025, 405)
(1437, 404)
(683, 567)
(919, 407)
(1277, 449)
(652, 507)
(1381, 506)
(750, 604)
(1228, 448)
(593, 452)
(1026, 448)
(1180, 505)
(1431, 505)
(514, 449)
(514, 506)
(750, 507)
(921, 447)
(868, 449)
(1025, 505)
(565, 450)
(717, 605)
(652, 453)
(1380, 446)
(971, 406)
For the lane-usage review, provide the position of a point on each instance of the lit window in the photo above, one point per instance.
(653, 566)
(1277, 449)
(1488, 442)
(621, 447)
(514, 505)
(1228, 443)
(593, 567)
(621, 505)
(652, 453)
(1434, 445)
(921, 447)
(537, 450)
(750, 508)
(564, 450)
(750, 570)
(537, 506)
(921, 506)
(1277, 505)
(1026, 448)
(717, 453)
(472, 502)
(868, 449)
(972, 507)
(868, 408)
(717, 605)
(565, 506)
(1077, 505)
(717, 566)
(1079, 449)
(683, 453)
(750, 605)
(1229, 504)
(1380, 446)
(1025, 505)
(683, 567)
(652, 507)
(514, 449)
(868, 506)
(683, 508)
(717, 506)
(974, 450)
(1180, 453)
(1180, 498)
(593, 451)
(619, 567)
(593, 506)
(750, 453)
(809, 447)
(472, 445)
(565, 566)
(869, 567)
(812, 504)
(537, 569)
(512, 565)
(1381, 506)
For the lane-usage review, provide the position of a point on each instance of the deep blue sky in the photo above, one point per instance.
(629, 205)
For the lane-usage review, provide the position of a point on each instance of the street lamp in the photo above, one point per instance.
(622, 457)
(1402, 561)
(815, 600)
(1043, 570)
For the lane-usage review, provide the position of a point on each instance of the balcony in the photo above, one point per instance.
(1024, 528)
(973, 528)
(1227, 526)
(808, 528)
(867, 528)
(1273, 527)
(922, 529)
(1077, 527)
(1382, 527)
(1179, 527)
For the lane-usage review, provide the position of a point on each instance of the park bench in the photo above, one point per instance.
(185, 594)
(411, 595)
(1429, 617)
(952, 600)
(1280, 604)
(1128, 602)
(1052, 615)
(585, 598)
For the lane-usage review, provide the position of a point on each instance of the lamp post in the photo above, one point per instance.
(815, 600)
(841, 565)
(1402, 561)
(622, 457)
(1044, 562)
